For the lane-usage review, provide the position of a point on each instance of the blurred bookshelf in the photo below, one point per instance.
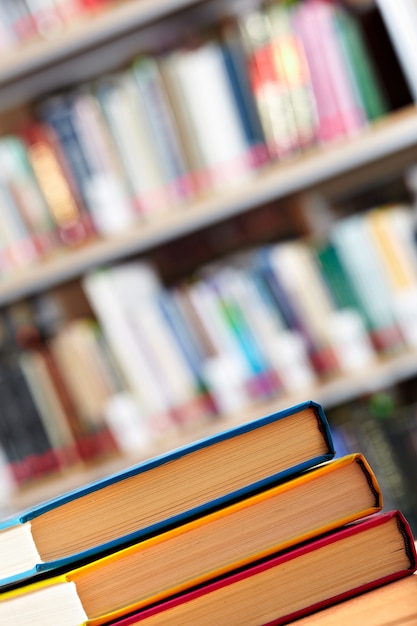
(191, 221)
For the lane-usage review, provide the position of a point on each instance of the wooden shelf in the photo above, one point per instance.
(330, 393)
(389, 137)
(111, 23)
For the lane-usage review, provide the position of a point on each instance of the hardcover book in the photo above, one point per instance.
(158, 494)
(395, 603)
(273, 590)
(340, 565)
(229, 538)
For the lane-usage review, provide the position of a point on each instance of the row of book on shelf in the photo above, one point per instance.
(25, 21)
(175, 126)
(256, 525)
(158, 360)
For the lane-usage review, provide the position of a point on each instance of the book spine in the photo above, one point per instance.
(161, 350)
(234, 305)
(126, 119)
(352, 113)
(269, 85)
(368, 279)
(107, 190)
(236, 65)
(30, 204)
(29, 450)
(373, 436)
(299, 275)
(18, 245)
(214, 116)
(107, 298)
(57, 113)
(389, 227)
(45, 16)
(72, 222)
(290, 59)
(359, 63)
(330, 119)
(400, 20)
(164, 133)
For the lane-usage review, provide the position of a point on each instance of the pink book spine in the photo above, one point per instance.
(353, 116)
(337, 110)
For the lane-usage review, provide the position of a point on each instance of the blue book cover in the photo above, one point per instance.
(163, 492)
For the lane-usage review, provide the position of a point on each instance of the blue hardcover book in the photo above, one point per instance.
(164, 492)
(56, 111)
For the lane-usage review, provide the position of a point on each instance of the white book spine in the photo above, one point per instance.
(400, 18)
(214, 115)
(107, 302)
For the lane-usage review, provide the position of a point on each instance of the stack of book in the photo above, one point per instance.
(256, 525)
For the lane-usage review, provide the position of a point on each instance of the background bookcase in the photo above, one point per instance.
(293, 199)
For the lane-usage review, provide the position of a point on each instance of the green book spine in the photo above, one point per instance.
(362, 70)
(338, 282)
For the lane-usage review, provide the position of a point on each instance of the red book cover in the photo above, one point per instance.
(277, 573)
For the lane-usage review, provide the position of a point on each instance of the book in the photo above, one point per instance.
(313, 575)
(72, 222)
(391, 229)
(236, 64)
(300, 288)
(31, 205)
(269, 84)
(18, 247)
(49, 387)
(108, 300)
(106, 186)
(139, 291)
(400, 21)
(383, 432)
(368, 279)
(291, 63)
(125, 115)
(351, 111)
(213, 114)
(23, 436)
(239, 534)
(395, 603)
(105, 514)
(358, 62)
(163, 130)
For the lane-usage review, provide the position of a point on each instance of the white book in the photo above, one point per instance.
(293, 263)
(214, 115)
(124, 113)
(392, 229)
(144, 314)
(108, 300)
(359, 256)
(107, 191)
(400, 18)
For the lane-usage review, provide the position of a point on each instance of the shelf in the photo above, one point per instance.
(330, 393)
(389, 137)
(79, 37)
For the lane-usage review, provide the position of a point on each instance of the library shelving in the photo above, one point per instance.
(329, 393)
(121, 30)
(385, 139)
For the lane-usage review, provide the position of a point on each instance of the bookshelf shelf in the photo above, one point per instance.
(329, 393)
(109, 24)
(386, 138)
